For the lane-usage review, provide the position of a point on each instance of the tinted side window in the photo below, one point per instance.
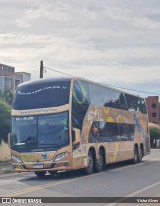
(115, 99)
(107, 99)
(78, 114)
(96, 94)
(126, 132)
(111, 132)
(143, 106)
(130, 129)
(133, 103)
(123, 132)
(80, 102)
(123, 102)
(81, 93)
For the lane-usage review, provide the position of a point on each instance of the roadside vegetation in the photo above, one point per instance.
(6, 99)
(154, 136)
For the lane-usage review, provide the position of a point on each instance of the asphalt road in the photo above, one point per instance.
(117, 180)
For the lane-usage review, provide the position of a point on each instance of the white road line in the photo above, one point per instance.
(136, 193)
(43, 186)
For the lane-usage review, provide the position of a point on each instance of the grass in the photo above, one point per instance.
(5, 162)
(7, 171)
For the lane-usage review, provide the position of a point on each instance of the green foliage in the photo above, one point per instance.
(154, 134)
(5, 116)
(8, 96)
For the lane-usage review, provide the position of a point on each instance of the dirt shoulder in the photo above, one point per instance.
(5, 167)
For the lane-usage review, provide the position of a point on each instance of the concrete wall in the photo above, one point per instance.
(1, 84)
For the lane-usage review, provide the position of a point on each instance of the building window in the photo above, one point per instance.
(7, 83)
(154, 115)
(153, 105)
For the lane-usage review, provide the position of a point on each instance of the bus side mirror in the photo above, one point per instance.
(9, 140)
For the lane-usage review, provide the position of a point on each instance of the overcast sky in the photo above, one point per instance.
(116, 42)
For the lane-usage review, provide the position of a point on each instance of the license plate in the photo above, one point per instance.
(38, 166)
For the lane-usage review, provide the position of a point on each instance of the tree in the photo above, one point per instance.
(5, 117)
(154, 135)
(1, 94)
(8, 96)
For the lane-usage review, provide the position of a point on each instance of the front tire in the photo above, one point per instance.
(40, 174)
(89, 168)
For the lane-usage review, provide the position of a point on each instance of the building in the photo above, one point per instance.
(153, 107)
(9, 79)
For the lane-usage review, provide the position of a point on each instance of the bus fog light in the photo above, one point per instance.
(66, 164)
(60, 156)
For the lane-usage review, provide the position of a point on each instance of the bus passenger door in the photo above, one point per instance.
(79, 150)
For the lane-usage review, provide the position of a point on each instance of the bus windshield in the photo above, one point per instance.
(43, 94)
(43, 132)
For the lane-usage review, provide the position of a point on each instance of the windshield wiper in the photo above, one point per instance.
(30, 139)
(20, 143)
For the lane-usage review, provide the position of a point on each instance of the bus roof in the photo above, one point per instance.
(74, 78)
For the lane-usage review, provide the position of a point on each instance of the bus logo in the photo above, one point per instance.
(44, 155)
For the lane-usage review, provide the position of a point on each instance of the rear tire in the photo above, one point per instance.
(40, 174)
(89, 168)
(136, 156)
(99, 163)
(140, 154)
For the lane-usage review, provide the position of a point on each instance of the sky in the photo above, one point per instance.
(116, 42)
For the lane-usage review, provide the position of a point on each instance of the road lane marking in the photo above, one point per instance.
(128, 166)
(44, 186)
(135, 193)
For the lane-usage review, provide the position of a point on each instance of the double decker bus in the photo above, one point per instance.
(72, 123)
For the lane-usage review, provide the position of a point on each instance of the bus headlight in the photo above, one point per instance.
(60, 156)
(17, 159)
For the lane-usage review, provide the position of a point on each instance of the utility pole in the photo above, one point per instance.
(41, 69)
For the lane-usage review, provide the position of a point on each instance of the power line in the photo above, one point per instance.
(58, 71)
(132, 89)
(146, 92)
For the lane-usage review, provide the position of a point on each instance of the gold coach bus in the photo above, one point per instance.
(71, 123)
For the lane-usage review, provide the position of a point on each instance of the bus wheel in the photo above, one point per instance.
(140, 155)
(40, 174)
(99, 162)
(136, 156)
(89, 168)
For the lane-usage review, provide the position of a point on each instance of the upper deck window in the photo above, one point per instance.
(42, 95)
